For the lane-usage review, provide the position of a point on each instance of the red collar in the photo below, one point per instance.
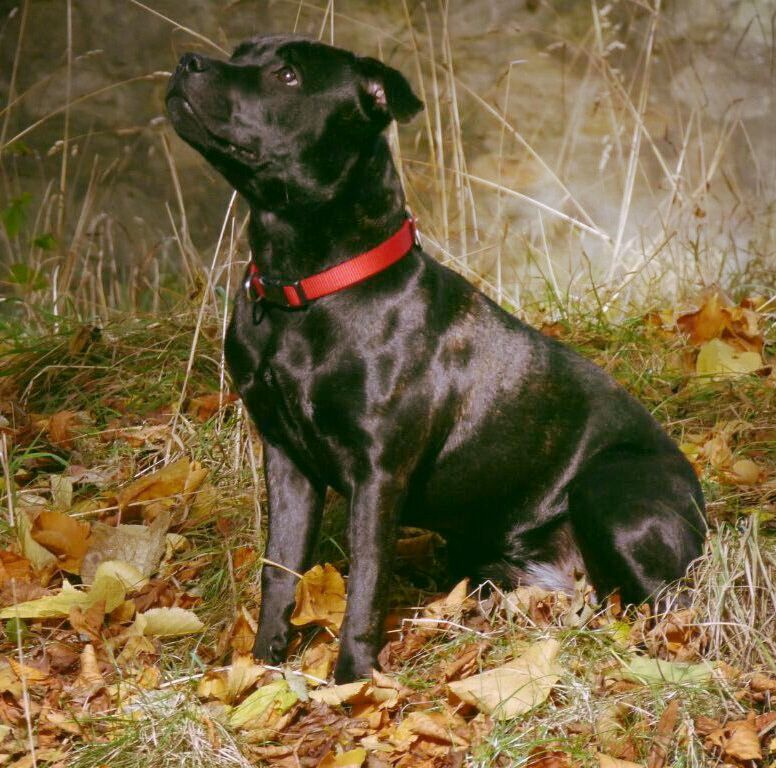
(341, 276)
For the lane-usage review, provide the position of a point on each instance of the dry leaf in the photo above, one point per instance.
(320, 598)
(141, 546)
(353, 757)
(516, 687)
(243, 633)
(90, 679)
(107, 589)
(319, 657)
(737, 739)
(64, 537)
(666, 726)
(746, 472)
(168, 622)
(336, 695)
(13, 566)
(719, 318)
(205, 406)
(60, 428)
(607, 761)
(718, 358)
(449, 605)
(182, 476)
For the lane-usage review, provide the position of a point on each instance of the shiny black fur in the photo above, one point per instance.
(412, 394)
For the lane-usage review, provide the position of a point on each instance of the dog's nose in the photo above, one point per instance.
(193, 62)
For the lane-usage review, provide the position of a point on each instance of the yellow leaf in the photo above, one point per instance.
(320, 598)
(39, 556)
(318, 658)
(168, 622)
(717, 358)
(450, 604)
(353, 757)
(516, 687)
(273, 699)
(182, 476)
(336, 695)
(745, 472)
(106, 589)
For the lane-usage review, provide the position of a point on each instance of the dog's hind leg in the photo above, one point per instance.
(637, 520)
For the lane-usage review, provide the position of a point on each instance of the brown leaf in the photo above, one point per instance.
(762, 683)
(718, 318)
(90, 679)
(549, 758)
(88, 622)
(243, 633)
(663, 736)
(319, 657)
(13, 566)
(607, 761)
(737, 740)
(63, 536)
(320, 598)
(60, 429)
(205, 406)
(180, 477)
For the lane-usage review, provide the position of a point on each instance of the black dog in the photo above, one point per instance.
(396, 382)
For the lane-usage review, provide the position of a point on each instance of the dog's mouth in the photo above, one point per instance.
(188, 124)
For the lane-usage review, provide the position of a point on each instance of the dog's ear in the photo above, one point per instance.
(386, 93)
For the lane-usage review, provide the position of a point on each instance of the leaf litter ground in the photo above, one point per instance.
(132, 547)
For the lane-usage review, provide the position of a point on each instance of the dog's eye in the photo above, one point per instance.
(287, 76)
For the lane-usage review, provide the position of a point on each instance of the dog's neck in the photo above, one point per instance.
(297, 243)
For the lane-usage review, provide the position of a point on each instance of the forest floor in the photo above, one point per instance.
(130, 555)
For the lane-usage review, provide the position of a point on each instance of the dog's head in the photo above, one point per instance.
(286, 119)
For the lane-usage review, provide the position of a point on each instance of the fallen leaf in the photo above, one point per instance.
(63, 536)
(90, 679)
(106, 589)
(13, 566)
(643, 669)
(336, 695)
(60, 428)
(168, 622)
(274, 698)
(607, 761)
(180, 477)
(746, 472)
(717, 317)
(39, 556)
(666, 726)
(319, 657)
(450, 604)
(205, 406)
(320, 598)
(516, 687)
(762, 683)
(737, 739)
(353, 757)
(243, 633)
(141, 546)
(718, 358)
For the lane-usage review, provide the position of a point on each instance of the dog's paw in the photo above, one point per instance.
(350, 668)
(270, 647)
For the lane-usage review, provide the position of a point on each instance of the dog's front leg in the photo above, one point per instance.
(374, 511)
(295, 506)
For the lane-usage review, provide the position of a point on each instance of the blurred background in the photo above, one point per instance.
(571, 151)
